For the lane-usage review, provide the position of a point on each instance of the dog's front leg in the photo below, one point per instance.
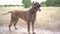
(28, 26)
(33, 27)
(33, 20)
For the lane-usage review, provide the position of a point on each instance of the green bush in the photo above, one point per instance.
(26, 3)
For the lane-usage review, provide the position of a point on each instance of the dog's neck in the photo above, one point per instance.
(33, 11)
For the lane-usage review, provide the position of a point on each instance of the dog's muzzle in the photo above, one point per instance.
(38, 7)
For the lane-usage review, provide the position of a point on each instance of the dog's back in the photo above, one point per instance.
(20, 14)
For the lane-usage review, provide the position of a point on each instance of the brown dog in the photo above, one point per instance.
(28, 16)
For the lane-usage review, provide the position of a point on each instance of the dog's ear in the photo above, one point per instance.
(32, 2)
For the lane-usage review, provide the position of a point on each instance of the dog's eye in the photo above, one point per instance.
(38, 6)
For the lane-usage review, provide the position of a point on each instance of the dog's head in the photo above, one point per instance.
(36, 5)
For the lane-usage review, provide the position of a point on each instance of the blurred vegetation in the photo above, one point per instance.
(26, 3)
(55, 3)
(43, 4)
(47, 3)
(9, 5)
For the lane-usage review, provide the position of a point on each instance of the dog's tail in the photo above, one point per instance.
(7, 13)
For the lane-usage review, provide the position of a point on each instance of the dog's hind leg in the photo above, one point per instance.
(10, 25)
(15, 23)
(14, 20)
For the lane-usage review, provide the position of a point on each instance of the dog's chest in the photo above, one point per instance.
(28, 16)
(33, 17)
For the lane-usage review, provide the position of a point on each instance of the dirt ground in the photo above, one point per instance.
(23, 30)
(47, 21)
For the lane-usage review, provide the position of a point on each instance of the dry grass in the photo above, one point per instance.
(48, 18)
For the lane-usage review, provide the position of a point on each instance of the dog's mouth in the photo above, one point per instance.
(38, 7)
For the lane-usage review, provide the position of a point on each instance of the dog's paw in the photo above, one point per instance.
(15, 28)
(34, 33)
